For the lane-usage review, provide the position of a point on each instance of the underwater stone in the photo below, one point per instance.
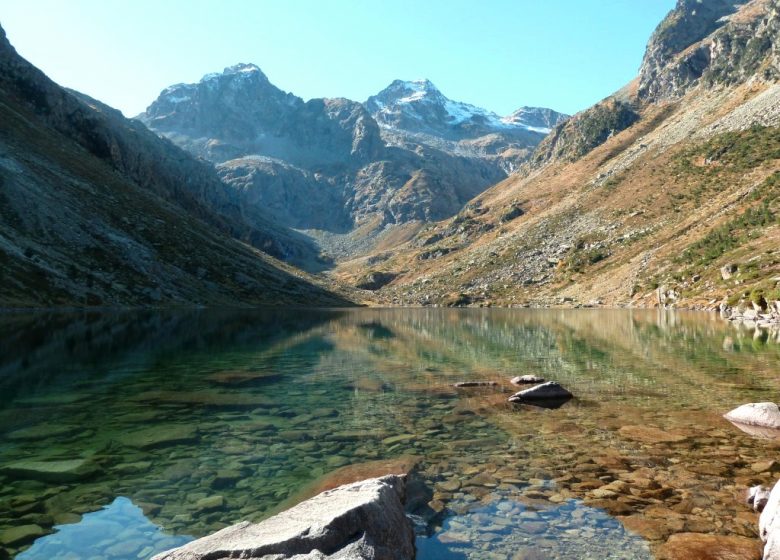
(22, 534)
(52, 471)
(700, 546)
(159, 436)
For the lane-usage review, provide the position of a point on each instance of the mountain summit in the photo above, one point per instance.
(418, 105)
(414, 112)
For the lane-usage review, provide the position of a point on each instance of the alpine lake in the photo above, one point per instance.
(124, 434)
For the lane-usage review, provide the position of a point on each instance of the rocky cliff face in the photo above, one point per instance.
(97, 210)
(708, 43)
(335, 164)
(718, 41)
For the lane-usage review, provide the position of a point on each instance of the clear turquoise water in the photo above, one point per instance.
(175, 424)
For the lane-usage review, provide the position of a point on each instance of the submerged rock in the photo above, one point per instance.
(363, 520)
(160, 436)
(549, 390)
(465, 384)
(757, 419)
(52, 471)
(701, 546)
(526, 379)
(21, 534)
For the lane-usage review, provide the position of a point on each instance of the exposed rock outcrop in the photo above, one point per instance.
(707, 42)
(363, 520)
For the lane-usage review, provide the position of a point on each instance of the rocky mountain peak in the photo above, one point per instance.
(420, 108)
(677, 44)
(539, 118)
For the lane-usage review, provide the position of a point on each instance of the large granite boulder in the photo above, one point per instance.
(363, 520)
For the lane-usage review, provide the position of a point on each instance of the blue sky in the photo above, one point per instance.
(497, 54)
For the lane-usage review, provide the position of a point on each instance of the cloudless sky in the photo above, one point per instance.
(497, 54)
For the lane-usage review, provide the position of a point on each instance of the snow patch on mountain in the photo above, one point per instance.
(418, 99)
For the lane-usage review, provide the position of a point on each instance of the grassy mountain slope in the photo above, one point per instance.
(654, 187)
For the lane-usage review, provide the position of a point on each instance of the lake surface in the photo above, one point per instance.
(125, 434)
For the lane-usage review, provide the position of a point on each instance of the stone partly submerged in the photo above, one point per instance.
(362, 520)
(70, 470)
(757, 419)
(550, 391)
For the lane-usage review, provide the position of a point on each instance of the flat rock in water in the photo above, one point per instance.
(21, 534)
(648, 434)
(207, 399)
(526, 380)
(549, 390)
(363, 520)
(241, 378)
(43, 431)
(52, 471)
(466, 384)
(701, 546)
(763, 415)
(159, 436)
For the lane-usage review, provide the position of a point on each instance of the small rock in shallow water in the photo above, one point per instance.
(699, 546)
(52, 471)
(549, 390)
(212, 503)
(765, 466)
(22, 534)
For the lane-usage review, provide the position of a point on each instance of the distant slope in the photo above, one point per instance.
(96, 210)
(328, 165)
(641, 199)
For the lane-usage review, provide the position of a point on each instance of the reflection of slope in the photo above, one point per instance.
(119, 530)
